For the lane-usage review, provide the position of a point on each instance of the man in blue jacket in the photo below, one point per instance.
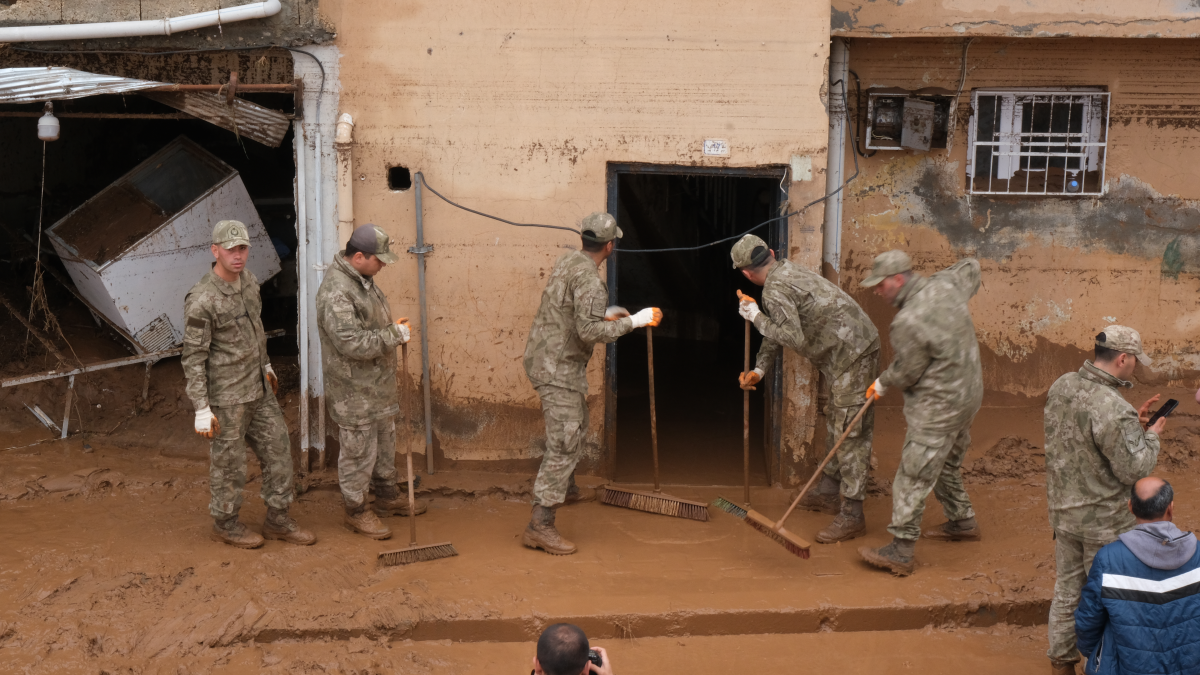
(1140, 610)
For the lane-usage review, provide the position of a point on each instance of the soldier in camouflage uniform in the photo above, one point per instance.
(937, 367)
(820, 322)
(232, 386)
(1097, 446)
(358, 354)
(572, 318)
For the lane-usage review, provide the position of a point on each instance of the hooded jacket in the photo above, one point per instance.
(1140, 609)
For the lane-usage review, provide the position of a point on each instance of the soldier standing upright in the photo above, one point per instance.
(569, 323)
(358, 354)
(937, 367)
(232, 386)
(1097, 447)
(820, 322)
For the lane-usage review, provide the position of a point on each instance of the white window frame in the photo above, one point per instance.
(1089, 145)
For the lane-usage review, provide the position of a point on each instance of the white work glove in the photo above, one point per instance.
(401, 329)
(272, 379)
(748, 308)
(876, 390)
(206, 423)
(651, 316)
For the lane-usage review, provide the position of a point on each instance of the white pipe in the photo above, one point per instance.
(302, 278)
(318, 174)
(118, 29)
(343, 142)
(839, 69)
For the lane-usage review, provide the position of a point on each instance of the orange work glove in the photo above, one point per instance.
(272, 379)
(748, 380)
(206, 423)
(876, 390)
(402, 329)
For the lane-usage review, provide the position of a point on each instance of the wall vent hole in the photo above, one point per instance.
(399, 178)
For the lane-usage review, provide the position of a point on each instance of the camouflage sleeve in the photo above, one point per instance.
(197, 334)
(336, 317)
(911, 357)
(782, 327)
(767, 352)
(591, 299)
(1132, 452)
(967, 275)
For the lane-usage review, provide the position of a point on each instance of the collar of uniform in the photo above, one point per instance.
(224, 286)
(348, 269)
(1089, 371)
(775, 267)
(914, 286)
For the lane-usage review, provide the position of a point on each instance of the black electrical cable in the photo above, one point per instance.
(421, 179)
(858, 107)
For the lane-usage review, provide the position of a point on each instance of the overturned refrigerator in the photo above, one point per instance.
(136, 248)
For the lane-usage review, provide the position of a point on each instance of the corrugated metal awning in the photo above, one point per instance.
(54, 83)
(242, 118)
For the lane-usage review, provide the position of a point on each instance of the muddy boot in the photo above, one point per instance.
(232, 532)
(577, 496)
(1063, 668)
(390, 501)
(848, 524)
(541, 533)
(824, 497)
(954, 530)
(896, 556)
(362, 520)
(279, 525)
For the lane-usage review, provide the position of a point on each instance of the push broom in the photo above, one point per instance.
(774, 529)
(655, 502)
(415, 552)
(721, 502)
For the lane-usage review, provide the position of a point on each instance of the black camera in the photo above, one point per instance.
(594, 657)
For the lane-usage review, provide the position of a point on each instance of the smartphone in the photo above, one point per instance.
(1165, 410)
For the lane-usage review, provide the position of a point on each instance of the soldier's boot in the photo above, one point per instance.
(540, 533)
(954, 530)
(847, 525)
(576, 495)
(1067, 668)
(896, 556)
(824, 497)
(362, 520)
(390, 501)
(231, 531)
(279, 525)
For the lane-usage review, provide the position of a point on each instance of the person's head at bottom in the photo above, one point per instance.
(563, 650)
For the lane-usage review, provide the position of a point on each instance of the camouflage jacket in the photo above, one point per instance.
(1095, 450)
(569, 323)
(812, 316)
(937, 354)
(224, 347)
(358, 347)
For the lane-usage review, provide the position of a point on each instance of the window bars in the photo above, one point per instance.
(1037, 142)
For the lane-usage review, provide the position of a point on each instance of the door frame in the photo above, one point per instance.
(778, 234)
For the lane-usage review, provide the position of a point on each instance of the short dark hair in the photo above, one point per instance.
(1104, 354)
(562, 649)
(1155, 506)
(351, 250)
(591, 245)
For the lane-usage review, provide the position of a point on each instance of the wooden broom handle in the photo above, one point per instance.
(653, 415)
(836, 446)
(412, 502)
(746, 419)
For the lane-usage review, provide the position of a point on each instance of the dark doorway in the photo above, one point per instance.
(698, 350)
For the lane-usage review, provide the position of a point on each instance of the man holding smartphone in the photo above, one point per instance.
(1097, 446)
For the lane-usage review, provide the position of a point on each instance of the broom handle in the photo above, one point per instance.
(653, 416)
(836, 446)
(412, 502)
(746, 420)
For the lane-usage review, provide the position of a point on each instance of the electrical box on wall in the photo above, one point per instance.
(898, 119)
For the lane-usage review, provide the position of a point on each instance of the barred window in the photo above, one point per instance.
(1037, 141)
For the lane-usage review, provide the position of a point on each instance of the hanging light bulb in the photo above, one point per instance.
(48, 124)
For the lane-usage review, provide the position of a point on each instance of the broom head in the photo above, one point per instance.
(794, 545)
(655, 503)
(730, 508)
(417, 553)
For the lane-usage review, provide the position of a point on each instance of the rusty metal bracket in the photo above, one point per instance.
(233, 85)
(427, 248)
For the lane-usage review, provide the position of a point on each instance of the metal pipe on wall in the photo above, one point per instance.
(319, 266)
(343, 143)
(302, 278)
(839, 69)
(421, 249)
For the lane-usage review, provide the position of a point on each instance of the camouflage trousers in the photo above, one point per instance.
(930, 461)
(1072, 560)
(566, 414)
(260, 422)
(847, 394)
(367, 457)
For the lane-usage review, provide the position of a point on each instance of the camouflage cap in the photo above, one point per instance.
(600, 227)
(371, 240)
(887, 264)
(749, 251)
(1123, 339)
(230, 233)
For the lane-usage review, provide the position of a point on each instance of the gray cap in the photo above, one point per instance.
(230, 233)
(1123, 339)
(600, 227)
(373, 241)
(887, 264)
(743, 253)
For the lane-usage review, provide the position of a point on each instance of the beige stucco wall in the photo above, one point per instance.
(515, 108)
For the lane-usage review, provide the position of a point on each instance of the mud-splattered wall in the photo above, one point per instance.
(515, 108)
(1056, 269)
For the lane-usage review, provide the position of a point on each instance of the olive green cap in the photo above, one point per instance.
(371, 240)
(887, 264)
(230, 233)
(743, 252)
(1123, 339)
(600, 227)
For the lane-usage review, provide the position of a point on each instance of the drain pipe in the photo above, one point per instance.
(839, 69)
(302, 278)
(421, 249)
(343, 142)
(119, 29)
